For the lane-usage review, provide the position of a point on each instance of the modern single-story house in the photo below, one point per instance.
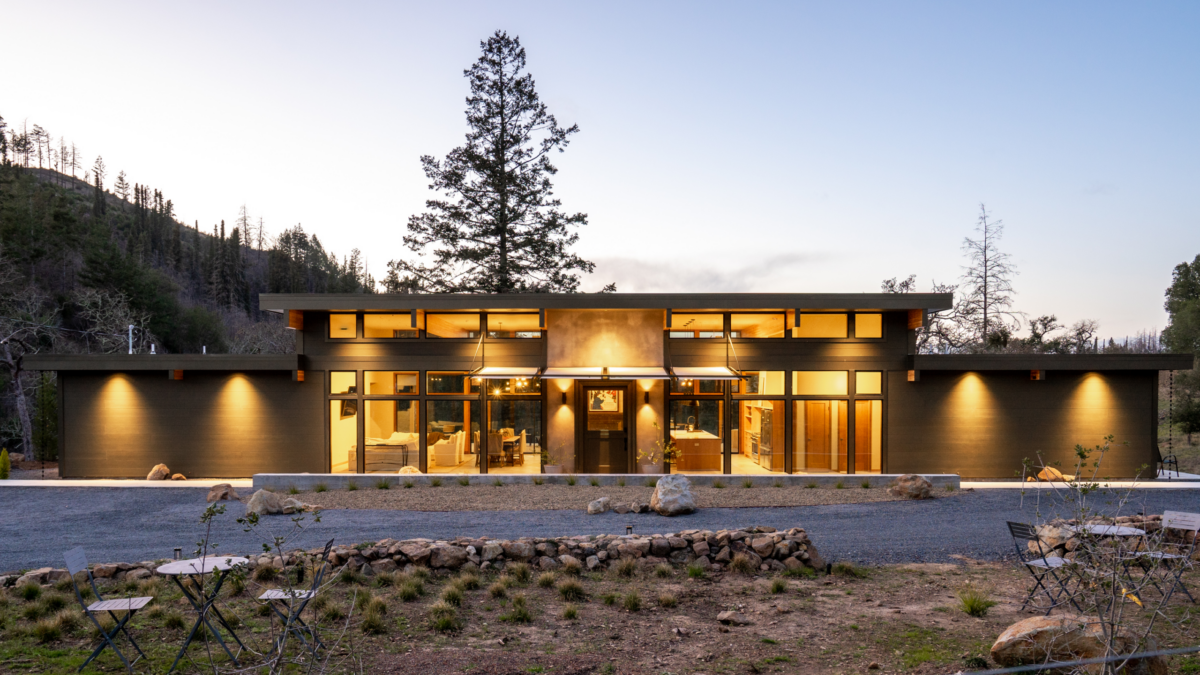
(603, 383)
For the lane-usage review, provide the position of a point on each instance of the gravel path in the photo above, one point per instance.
(133, 524)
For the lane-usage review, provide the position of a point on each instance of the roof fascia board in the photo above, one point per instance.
(132, 362)
(1080, 362)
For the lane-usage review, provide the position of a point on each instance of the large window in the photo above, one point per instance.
(343, 326)
(392, 434)
(868, 325)
(514, 326)
(388, 326)
(514, 443)
(819, 382)
(761, 382)
(697, 428)
(343, 382)
(343, 436)
(451, 437)
(757, 325)
(451, 383)
(452, 325)
(391, 383)
(868, 383)
(820, 326)
(697, 326)
(819, 444)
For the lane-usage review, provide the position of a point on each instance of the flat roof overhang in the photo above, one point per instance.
(1079, 362)
(281, 302)
(134, 362)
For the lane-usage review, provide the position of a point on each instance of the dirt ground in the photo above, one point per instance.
(486, 497)
(33, 470)
(904, 619)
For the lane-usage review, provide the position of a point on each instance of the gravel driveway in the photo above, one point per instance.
(133, 524)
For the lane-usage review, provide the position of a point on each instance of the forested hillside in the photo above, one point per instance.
(83, 257)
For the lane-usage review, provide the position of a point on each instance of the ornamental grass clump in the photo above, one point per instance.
(627, 568)
(974, 601)
(747, 483)
(469, 581)
(632, 602)
(520, 572)
(547, 579)
(651, 482)
(741, 564)
(667, 600)
(464, 481)
(610, 599)
(265, 573)
(411, 590)
(778, 586)
(47, 630)
(53, 602)
(519, 611)
(373, 622)
(499, 589)
(443, 617)
(570, 612)
(321, 487)
(571, 480)
(849, 569)
(571, 590)
(663, 570)
(695, 572)
(174, 621)
(351, 486)
(594, 482)
(452, 595)
(435, 482)
(29, 592)
(384, 579)
(572, 568)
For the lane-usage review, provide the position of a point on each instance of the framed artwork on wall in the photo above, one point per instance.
(604, 400)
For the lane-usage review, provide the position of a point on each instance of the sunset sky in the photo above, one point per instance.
(781, 147)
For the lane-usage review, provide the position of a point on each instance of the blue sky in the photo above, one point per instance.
(740, 147)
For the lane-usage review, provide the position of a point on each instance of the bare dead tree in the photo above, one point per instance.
(986, 305)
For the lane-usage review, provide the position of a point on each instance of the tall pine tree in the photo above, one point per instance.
(500, 229)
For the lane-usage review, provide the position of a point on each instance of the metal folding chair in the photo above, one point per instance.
(289, 605)
(76, 563)
(1173, 565)
(1040, 567)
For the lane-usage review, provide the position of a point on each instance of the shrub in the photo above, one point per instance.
(949, 487)
(695, 572)
(5, 464)
(452, 595)
(663, 571)
(64, 585)
(47, 630)
(610, 599)
(435, 482)
(373, 623)
(469, 581)
(594, 482)
(571, 590)
(538, 480)
(443, 617)
(632, 602)
(293, 490)
(29, 592)
(174, 620)
(498, 483)
(264, 609)
(32, 612)
(408, 484)
(667, 600)
(718, 485)
(350, 575)
(155, 612)
(974, 601)
(849, 569)
(264, 573)
(384, 579)
(621, 481)
(777, 483)
(570, 612)
(741, 564)
(321, 487)
(332, 612)
(572, 568)
(547, 579)
(866, 484)
(778, 586)
(499, 589)
(571, 480)
(54, 602)
(520, 571)
(69, 620)
(464, 481)
(747, 483)
(650, 482)
(382, 484)
(420, 574)
(411, 590)
(518, 612)
(627, 567)
(840, 485)
(351, 486)
(810, 484)
(801, 572)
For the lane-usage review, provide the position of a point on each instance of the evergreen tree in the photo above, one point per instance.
(98, 203)
(500, 229)
(121, 188)
(3, 142)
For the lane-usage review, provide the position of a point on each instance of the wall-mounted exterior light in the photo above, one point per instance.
(564, 398)
(646, 398)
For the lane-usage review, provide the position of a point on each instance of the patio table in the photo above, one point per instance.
(195, 569)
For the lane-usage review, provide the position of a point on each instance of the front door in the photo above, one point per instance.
(605, 422)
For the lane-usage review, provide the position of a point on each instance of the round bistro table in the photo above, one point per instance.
(196, 569)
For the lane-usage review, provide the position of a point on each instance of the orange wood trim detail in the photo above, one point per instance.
(914, 376)
(295, 319)
(298, 376)
(916, 318)
(176, 374)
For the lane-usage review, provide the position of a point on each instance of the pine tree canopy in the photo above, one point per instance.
(499, 228)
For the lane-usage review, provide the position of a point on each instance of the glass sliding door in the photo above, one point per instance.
(697, 427)
(514, 436)
(392, 435)
(759, 446)
(343, 436)
(819, 441)
(451, 437)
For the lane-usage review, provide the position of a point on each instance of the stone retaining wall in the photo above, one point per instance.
(306, 482)
(764, 547)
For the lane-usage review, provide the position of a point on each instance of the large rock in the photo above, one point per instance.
(673, 496)
(451, 557)
(1051, 474)
(292, 505)
(178, 476)
(598, 506)
(409, 470)
(159, 472)
(1043, 639)
(14, 457)
(733, 618)
(222, 491)
(418, 553)
(491, 551)
(264, 503)
(912, 486)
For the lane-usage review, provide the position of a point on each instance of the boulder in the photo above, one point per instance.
(598, 506)
(638, 507)
(37, 576)
(408, 470)
(673, 496)
(592, 562)
(139, 573)
(1043, 639)
(912, 486)
(178, 476)
(491, 551)
(159, 472)
(417, 553)
(621, 508)
(14, 457)
(222, 491)
(264, 503)
(384, 565)
(733, 619)
(450, 557)
(1051, 474)
(660, 548)
(701, 548)
(763, 546)
(292, 505)
(517, 550)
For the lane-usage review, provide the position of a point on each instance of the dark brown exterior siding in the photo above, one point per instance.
(982, 424)
(208, 425)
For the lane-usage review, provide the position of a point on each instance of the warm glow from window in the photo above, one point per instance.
(452, 325)
(868, 325)
(697, 325)
(513, 326)
(757, 325)
(820, 382)
(820, 326)
(343, 326)
(390, 383)
(763, 382)
(868, 383)
(388, 326)
(343, 382)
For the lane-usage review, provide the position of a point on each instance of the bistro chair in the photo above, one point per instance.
(1040, 567)
(76, 563)
(1172, 565)
(289, 605)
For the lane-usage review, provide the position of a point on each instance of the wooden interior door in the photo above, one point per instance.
(816, 434)
(843, 423)
(862, 435)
